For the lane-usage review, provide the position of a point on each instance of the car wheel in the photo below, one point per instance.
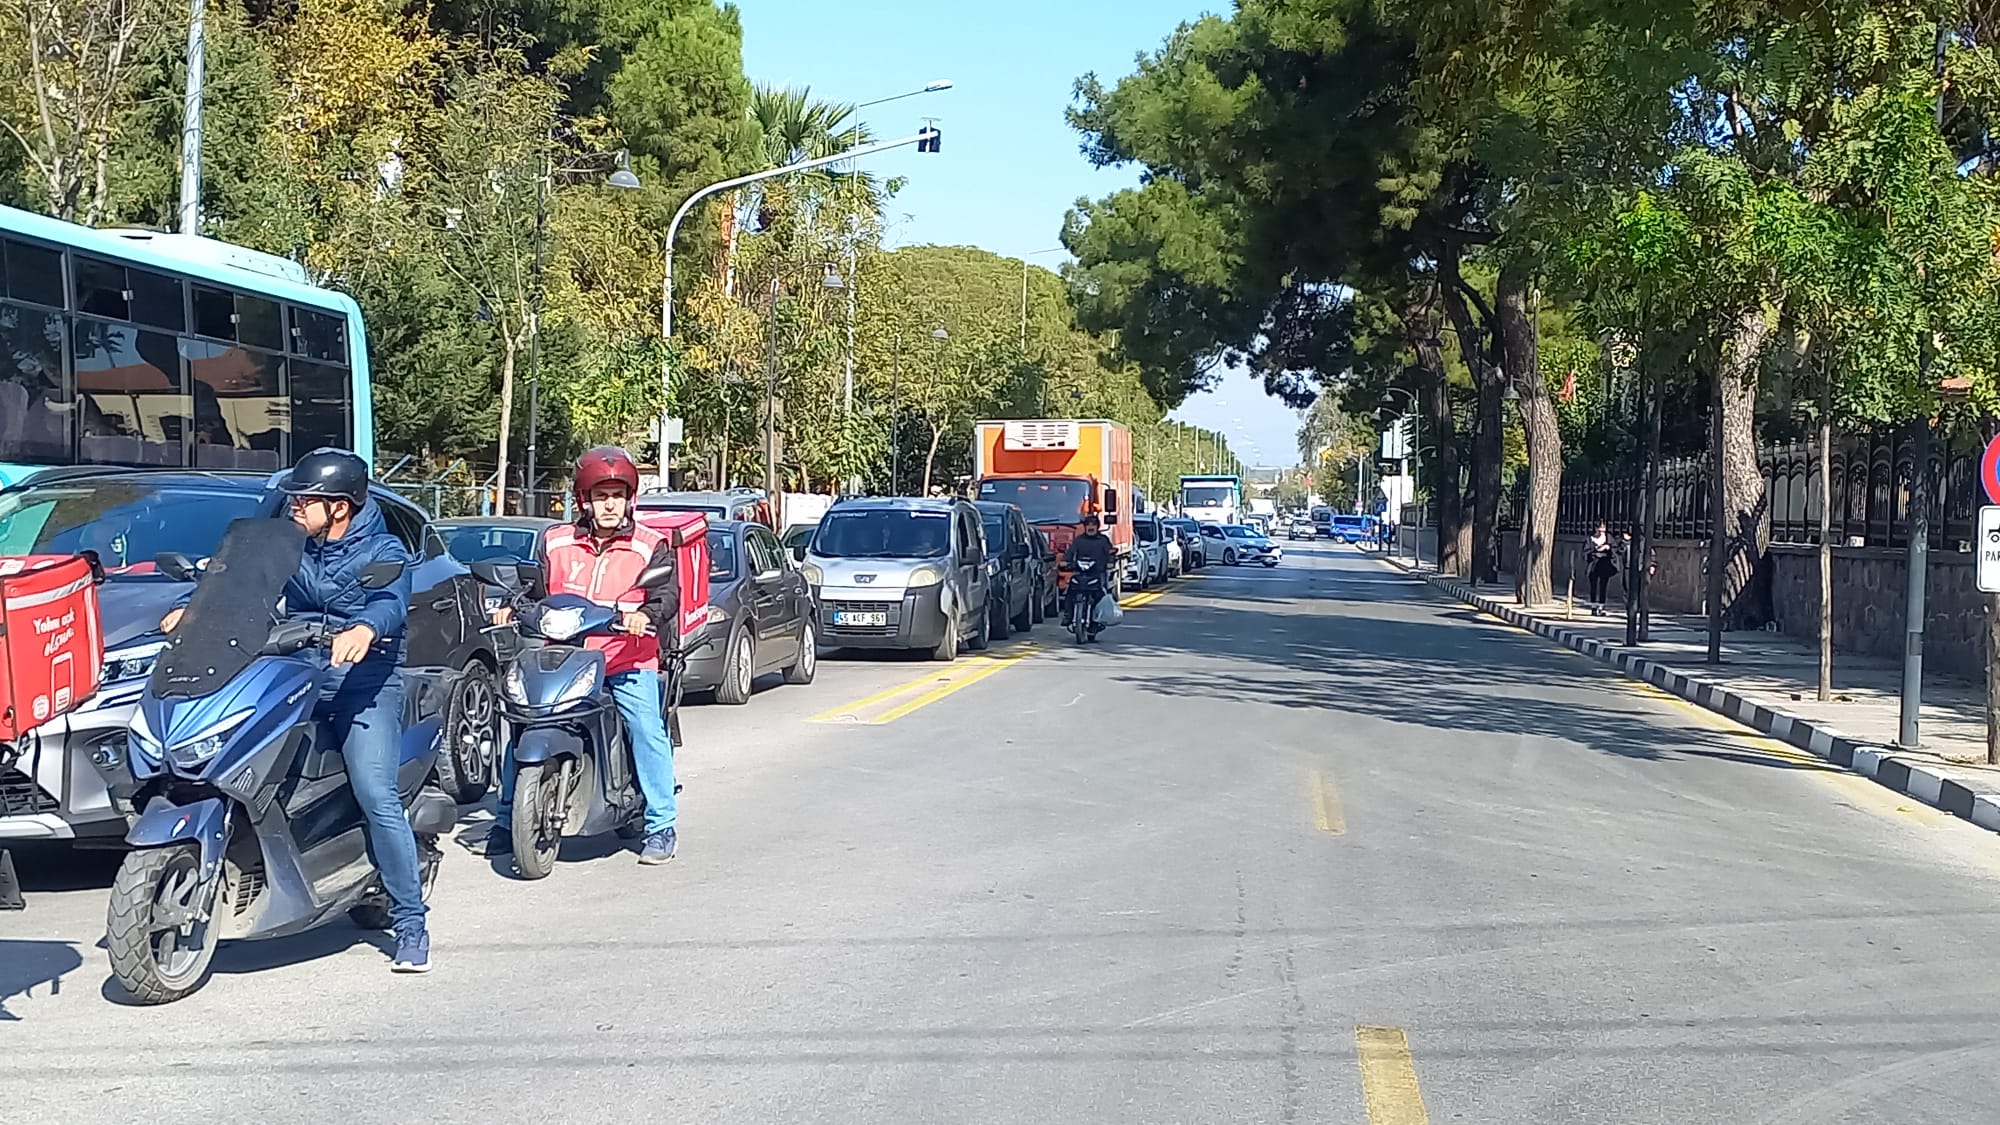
(472, 732)
(947, 646)
(1025, 620)
(1229, 557)
(997, 626)
(807, 665)
(1038, 609)
(984, 636)
(738, 669)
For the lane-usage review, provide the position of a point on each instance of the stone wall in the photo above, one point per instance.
(1867, 595)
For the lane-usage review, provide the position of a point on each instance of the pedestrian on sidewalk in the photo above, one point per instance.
(1600, 562)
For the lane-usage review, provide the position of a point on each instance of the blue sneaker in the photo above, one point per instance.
(413, 950)
(659, 847)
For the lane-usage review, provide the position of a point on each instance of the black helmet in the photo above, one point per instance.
(333, 473)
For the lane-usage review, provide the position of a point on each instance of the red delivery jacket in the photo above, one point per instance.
(574, 561)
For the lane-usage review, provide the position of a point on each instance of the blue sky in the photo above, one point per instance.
(1010, 166)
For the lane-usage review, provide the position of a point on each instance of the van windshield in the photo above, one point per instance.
(883, 533)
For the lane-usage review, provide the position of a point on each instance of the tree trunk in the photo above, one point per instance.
(1744, 507)
(1488, 446)
(1420, 328)
(930, 456)
(1532, 579)
(508, 348)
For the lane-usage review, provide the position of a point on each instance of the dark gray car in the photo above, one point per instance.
(760, 615)
(1011, 544)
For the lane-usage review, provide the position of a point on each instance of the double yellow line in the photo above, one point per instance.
(926, 689)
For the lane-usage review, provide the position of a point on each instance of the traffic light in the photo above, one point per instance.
(933, 142)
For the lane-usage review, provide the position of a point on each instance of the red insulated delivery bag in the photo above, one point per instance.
(51, 640)
(688, 532)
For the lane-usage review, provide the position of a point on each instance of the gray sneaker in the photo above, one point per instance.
(659, 847)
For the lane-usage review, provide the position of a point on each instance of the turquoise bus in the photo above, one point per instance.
(138, 348)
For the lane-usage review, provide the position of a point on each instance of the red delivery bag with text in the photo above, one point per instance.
(688, 532)
(51, 639)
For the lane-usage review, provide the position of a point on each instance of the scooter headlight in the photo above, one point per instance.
(561, 624)
(198, 748)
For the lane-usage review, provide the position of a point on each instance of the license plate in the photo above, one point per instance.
(846, 618)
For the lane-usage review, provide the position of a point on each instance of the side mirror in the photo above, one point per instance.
(799, 552)
(1111, 519)
(381, 575)
(769, 575)
(494, 574)
(175, 565)
(1019, 551)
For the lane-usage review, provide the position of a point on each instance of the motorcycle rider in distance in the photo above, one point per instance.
(600, 556)
(1091, 543)
(361, 700)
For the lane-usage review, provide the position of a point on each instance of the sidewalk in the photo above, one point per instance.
(1769, 682)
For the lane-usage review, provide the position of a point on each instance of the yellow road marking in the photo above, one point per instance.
(1326, 805)
(932, 677)
(1388, 1077)
(1137, 600)
(956, 684)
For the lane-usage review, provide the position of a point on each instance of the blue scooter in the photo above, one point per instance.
(572, 763)
(248, 827)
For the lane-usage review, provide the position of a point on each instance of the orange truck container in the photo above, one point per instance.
(1058, 470)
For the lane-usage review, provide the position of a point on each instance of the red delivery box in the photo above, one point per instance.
(51, 641)
(688, 532)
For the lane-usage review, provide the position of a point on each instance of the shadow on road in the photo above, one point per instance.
(24, 965)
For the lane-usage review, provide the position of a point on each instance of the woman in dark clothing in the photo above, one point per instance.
(1600, 563)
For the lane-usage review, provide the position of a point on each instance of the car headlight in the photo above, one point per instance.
(813, 573)
(925, 576)
(514, 685)
(131, 663)
(205, 743)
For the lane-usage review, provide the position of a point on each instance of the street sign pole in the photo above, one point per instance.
(1986, 541)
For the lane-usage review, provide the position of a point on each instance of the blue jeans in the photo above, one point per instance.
(365, 715)
(637, 695)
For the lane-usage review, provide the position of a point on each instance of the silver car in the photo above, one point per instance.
(899, 572)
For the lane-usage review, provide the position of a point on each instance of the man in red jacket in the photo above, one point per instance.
(601, 556)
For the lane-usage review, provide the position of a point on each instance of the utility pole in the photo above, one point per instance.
(1917, 566)
(197, 49)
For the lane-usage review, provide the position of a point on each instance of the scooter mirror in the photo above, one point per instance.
(175, 565)
(379, 575)
(654, 577)
(504, 575)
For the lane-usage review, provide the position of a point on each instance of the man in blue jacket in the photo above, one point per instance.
(363, 698)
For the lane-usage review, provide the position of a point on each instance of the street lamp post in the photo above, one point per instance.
(1416, 471)
(853, 221)
(925, 134)
(1024, 288)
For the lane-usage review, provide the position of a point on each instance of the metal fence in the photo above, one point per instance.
(444, 501)
(1871, 477)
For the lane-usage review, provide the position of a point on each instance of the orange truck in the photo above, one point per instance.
(1058, 470)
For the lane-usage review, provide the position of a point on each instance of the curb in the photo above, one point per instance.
(1914, 778)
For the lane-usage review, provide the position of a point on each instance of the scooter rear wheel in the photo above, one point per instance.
(539, 814)
(156, 959)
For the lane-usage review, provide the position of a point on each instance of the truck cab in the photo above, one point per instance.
(1058, 471)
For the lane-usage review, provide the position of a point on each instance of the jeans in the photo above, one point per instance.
(365, 716)
(637, 695)
(1600, 583)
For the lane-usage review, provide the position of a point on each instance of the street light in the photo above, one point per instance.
(854, 234)
(1416, 470)
(621, 178)
(673, 228)
(1024, 288)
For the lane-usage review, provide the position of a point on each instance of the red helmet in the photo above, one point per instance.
(602, 465)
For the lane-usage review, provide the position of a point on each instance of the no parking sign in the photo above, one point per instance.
(1986, 545)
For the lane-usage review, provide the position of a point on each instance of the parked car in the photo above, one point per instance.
(70, 780)
(736, 504)
(902, 572)
(1012, 550)
(1246, 545)
(760, 615)
(1299, 528)
(506, 540)
(797, 538)
(1048, 584)
(1194, 554)
(1149, 558)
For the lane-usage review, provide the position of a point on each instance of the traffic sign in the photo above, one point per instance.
(1989, 470)
(1987, 573)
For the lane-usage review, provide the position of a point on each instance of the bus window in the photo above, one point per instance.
(135, 404)
(35, 400)
(32, 273)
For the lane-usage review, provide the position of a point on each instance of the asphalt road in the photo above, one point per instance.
(1299, 845)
